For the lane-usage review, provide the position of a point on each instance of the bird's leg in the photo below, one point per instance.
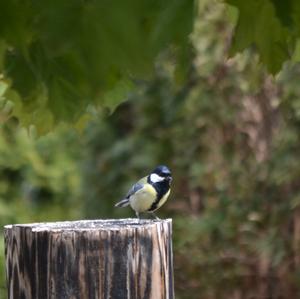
(157, 218)
(137, 215)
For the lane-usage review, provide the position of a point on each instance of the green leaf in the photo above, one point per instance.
(3, 87)
(73, 54)
(3, 48)
(16, 23)
(296, 54)
(283, 11)
(116, 95)
(259, 25)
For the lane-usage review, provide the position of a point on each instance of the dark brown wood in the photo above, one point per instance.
(92, 259)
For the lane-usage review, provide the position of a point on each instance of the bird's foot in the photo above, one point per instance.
(155, 217)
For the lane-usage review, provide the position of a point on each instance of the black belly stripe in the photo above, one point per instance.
(154, 205)
(161, 188)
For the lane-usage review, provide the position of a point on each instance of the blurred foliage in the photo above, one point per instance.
(230, 134)
(272, 26)
(40, 174)
(59, 57)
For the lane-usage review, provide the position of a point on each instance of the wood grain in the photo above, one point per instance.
(93, 259)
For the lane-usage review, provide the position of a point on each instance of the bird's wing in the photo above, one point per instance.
(136, 187)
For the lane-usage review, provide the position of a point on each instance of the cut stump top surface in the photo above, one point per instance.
(87, 225)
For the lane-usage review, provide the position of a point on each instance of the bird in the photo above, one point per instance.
(149, 193)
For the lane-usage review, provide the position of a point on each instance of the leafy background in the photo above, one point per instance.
(227, 128)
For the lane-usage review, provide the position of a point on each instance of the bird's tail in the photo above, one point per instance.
(123, 203)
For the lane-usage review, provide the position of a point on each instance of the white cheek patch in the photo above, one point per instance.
(155, 178)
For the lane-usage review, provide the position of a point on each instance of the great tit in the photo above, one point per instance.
(149, 193)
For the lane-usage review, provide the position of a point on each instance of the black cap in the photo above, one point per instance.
(162, 170)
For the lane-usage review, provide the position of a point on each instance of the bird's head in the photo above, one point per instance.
(161, 174)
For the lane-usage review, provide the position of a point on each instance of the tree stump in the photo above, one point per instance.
(116, 259)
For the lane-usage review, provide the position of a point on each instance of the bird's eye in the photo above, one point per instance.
(165, 174)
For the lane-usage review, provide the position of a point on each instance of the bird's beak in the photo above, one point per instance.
(170, 179)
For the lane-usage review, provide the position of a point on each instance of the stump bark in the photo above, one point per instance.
(92, 259)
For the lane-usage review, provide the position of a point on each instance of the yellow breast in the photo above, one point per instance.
(142, 200)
